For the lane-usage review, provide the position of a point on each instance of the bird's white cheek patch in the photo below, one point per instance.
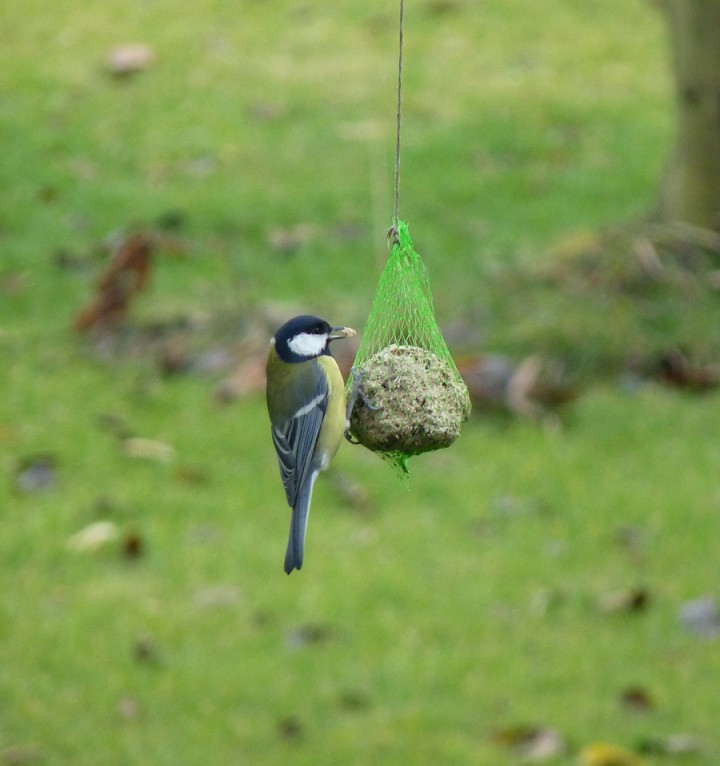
(306, 344)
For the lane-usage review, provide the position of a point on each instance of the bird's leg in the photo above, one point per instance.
(358, 376)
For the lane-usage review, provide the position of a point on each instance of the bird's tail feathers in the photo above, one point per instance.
(298, 527)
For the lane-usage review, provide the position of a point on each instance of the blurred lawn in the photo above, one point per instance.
(463, 603)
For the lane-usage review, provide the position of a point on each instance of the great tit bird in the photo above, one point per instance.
(306, 403)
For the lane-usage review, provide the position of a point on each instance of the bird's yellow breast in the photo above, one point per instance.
(333, 427)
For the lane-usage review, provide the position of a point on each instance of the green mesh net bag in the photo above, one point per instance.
(408, 396)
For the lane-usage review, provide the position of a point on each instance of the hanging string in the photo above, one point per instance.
(394, 230)
(405, 394)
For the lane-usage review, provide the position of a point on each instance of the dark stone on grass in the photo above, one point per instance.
(701, 616)
(37, 473)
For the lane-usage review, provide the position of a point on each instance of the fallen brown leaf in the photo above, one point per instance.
(355, 700)
(636, 698)
(677, 370)
(7, 433)
(531, 743)
(146, 650)
(602, 754)
(310, 633)
(288, 241)
(133, 545)
(249, 378)
(193, 475)
(129, 59)
(129, 708)
(22, 755)
(531, 387)
(215, 596)
(290, 727)
(149, 449)
(629, 600)
(93, 537)
(14, 283)
(352, 492)
(127, 274)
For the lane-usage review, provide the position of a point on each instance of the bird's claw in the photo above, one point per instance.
(358, 376)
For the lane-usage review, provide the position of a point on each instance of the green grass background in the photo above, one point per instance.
(465, 601)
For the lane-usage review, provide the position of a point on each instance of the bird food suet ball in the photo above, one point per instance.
(410, 401)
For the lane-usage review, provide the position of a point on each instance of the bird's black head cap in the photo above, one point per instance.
(317, 337)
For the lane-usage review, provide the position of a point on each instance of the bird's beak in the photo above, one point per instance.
(340, 332)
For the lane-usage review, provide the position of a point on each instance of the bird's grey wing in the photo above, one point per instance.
(295, 441)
